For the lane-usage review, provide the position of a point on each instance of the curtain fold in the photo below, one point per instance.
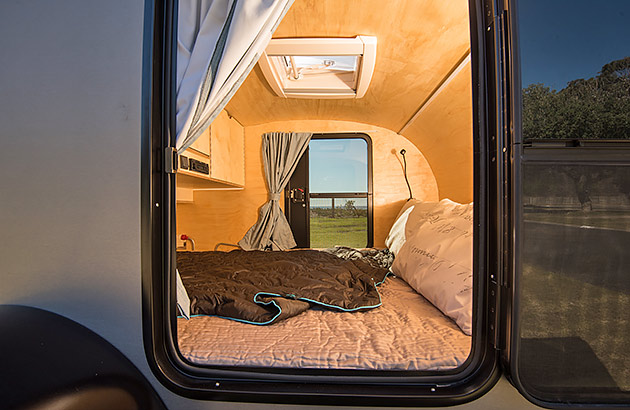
(218, 43)
(281, 153)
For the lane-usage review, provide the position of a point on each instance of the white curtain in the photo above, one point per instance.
(218, 43)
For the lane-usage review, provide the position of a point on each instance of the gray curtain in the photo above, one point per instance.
(281, 152)
(218, 44)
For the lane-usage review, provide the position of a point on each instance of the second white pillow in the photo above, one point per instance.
(436, 258)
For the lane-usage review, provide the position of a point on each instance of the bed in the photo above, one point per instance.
(406, 333)
(421, 320)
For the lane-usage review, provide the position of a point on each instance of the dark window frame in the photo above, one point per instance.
(369, 194)
(346, 387)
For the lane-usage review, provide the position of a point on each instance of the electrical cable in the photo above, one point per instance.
(403, 152)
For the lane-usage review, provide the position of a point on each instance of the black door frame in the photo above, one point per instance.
(474, 378)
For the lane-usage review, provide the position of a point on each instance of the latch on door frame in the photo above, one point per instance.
(297, 195)
(170, 160)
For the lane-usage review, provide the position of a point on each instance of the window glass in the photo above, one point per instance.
(575, 69)
(338, 180)
(338, 221)
(338, 165)
(574, 293)
(575, 327)
(321, 64)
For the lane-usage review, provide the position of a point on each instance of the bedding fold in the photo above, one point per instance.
(262, 287)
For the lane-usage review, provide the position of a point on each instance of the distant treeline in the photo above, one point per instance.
(338, 213)
(596, 108)
(347, 210)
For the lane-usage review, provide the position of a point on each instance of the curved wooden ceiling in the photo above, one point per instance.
(419, 44)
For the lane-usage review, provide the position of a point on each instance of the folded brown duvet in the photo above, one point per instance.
(263, 287)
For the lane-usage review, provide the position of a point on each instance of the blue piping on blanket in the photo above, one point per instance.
(376, 285)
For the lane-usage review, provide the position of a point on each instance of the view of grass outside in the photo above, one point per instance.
(329, 232)
(338, 185)
(343, 224)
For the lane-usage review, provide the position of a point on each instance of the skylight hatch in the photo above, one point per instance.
(319, 67)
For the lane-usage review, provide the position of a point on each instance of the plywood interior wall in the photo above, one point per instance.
(226, 150)
(420, 44)
(443, 131)
(225, 216)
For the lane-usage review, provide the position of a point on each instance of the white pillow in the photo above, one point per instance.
(397, 234)
(396, 237)
(436, 259)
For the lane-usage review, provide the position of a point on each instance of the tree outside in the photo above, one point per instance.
(593, 108)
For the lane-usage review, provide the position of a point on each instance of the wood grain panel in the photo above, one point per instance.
(418, 43)
(443, 131)
(225, 216)
(202, 144)
(227, 141)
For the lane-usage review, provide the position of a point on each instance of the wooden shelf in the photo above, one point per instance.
(190, 179)
(188, 182)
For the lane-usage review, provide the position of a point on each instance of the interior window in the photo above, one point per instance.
(335, 176)
(338, 181)
(575, 288)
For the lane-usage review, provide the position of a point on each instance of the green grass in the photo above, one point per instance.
(328, 232)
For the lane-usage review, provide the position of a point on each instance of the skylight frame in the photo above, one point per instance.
(273, 64)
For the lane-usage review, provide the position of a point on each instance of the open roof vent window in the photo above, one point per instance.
(319, 67)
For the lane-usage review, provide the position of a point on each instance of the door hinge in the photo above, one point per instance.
(170, 160)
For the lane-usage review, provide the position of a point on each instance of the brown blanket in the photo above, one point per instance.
(264, 287)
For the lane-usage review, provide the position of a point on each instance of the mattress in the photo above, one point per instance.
(406, 333)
